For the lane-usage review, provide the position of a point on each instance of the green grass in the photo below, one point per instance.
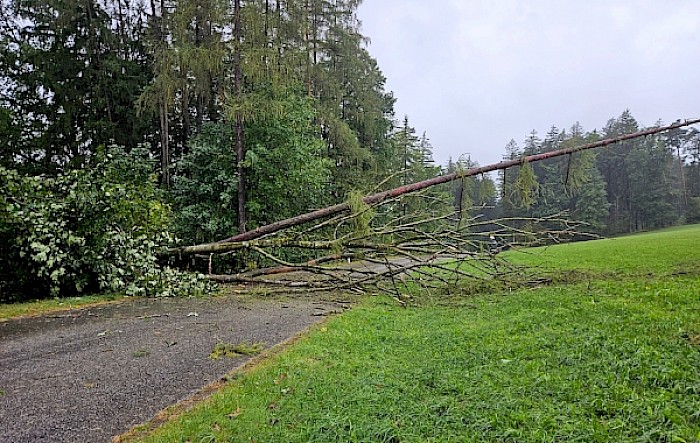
(666, 251)
(612, 358)
(13, 310)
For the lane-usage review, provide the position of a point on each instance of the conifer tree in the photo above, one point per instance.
(68, 75)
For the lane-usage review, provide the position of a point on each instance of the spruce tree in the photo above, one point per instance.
(69, 76)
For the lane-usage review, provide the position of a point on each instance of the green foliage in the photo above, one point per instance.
(694, 210)
(9, 137)
(204, 191)
(362, 214)
(71, 78)
(652, 194)
(641, 178)
(98, 228)
(571, 184)
(526, 186)
(74, 72)
(286, 173)
(472, 196)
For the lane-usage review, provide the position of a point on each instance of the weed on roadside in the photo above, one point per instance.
(140, 353)
(231, 350)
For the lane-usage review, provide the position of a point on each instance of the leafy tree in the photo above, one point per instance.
(584, 182)
(569, 184)
(612, 164)
(691, 162)
(518, 184)
(187, 43)
(413, 162)
(9, 138)
(640, 178)
(286, 174)
(355, 111)
(97, 228)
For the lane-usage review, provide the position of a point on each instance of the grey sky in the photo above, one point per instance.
(476, 73)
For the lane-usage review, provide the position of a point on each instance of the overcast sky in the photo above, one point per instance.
(475, 73)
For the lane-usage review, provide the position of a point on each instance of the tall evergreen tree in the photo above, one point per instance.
(613, 165)
(186, 39)
(71, 77)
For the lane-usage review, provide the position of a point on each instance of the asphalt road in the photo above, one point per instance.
(87, 375)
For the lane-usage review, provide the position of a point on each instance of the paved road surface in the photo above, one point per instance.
(86, 375)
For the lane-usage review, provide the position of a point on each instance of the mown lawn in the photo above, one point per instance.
(614, 357)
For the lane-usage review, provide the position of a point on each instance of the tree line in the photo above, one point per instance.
(635, 185)
(284, 90)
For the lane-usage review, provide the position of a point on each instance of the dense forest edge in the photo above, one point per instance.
(127, 127)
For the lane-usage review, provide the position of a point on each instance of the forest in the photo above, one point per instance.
(129, 126)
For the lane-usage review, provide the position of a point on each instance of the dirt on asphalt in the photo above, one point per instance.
(88, 374)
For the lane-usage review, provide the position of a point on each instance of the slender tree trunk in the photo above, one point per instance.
(681, 171)
(158, 28)
(122, 30)
(186, 123)
(278, 36)
(240, 155)
(240, 147)
(199, 38)
(376, 198)
(155, 26)
(164, 149)
(199, 119)
(307, 37)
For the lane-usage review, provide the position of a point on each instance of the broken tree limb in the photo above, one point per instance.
(232, 242)
(424, 256)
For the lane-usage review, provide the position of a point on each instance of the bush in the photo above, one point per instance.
(98, 228)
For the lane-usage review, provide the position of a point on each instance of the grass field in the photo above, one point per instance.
(614, 357)
(666, 251)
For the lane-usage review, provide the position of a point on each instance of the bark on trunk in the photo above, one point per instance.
(240, 147)
(164, 148)
(377, 198)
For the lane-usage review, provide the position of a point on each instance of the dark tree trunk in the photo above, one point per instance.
(240, 147)
(164, 148)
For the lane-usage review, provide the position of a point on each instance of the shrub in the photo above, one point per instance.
(97, 228)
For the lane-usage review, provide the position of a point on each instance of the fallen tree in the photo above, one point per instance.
(376, 198)
(366, 242)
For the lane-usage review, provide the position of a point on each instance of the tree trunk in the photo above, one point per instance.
(164, 148)
(377, 198)
(240, 147)
(240, 155)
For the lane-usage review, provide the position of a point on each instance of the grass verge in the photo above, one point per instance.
(612, 357)
(38, 307)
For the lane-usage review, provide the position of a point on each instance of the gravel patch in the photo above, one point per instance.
(86, 375)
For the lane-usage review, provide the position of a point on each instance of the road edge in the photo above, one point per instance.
(174, 411)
